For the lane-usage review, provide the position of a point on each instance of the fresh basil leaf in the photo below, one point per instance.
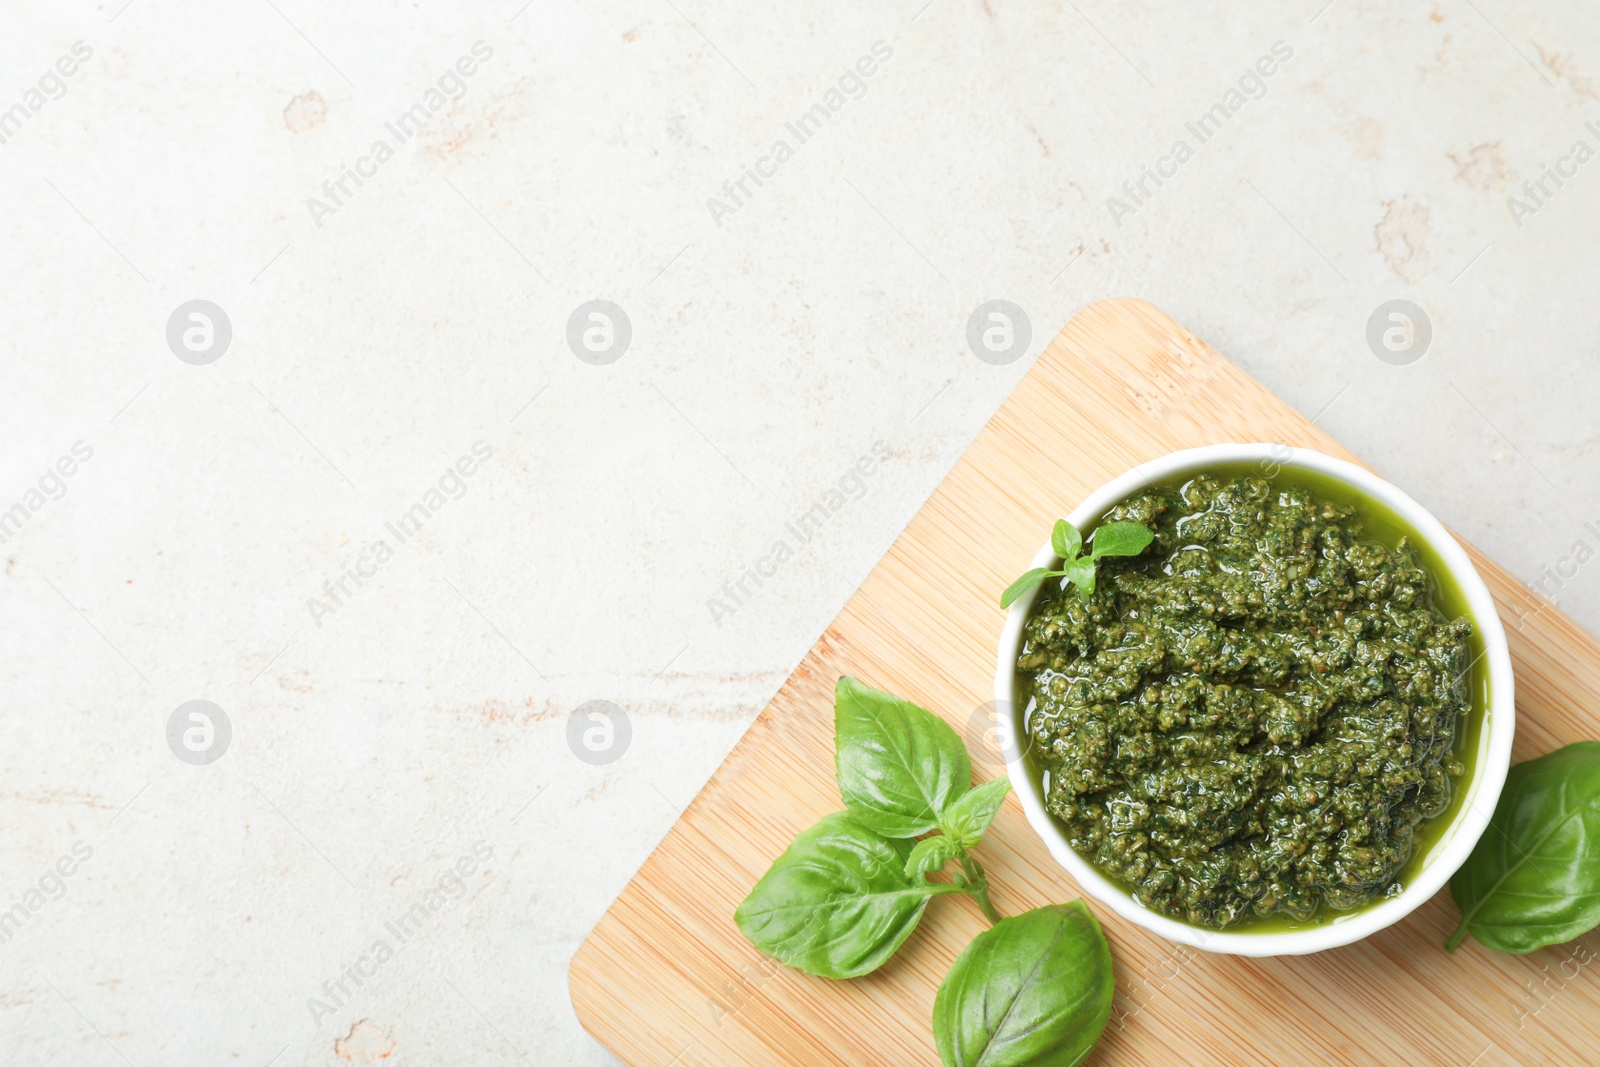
(837, 903)
(1066, 540)
(1080, 572)
(1534, 877)
(1121, 539)
(929, 856)
(1034, 991)
(1025, 583)
(969, 817)
(900, 766)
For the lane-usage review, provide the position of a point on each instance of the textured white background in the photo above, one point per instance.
(768, 353)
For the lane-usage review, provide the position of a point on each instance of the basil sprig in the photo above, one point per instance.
(1534, 878)
(1036, 990)
(845, 894)
(903, 772)
(838, 902)
(1110, 539)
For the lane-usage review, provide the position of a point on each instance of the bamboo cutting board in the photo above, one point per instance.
(666, 979)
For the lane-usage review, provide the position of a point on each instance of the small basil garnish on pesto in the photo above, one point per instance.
(848, 892)
(1110, 539)
(1034, 991)
(1534, 877)
(1254, 716)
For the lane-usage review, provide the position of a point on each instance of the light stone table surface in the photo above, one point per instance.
(276, 507)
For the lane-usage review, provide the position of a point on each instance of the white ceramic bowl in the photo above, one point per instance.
(1486, 778)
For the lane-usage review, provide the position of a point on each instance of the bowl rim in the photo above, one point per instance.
(1488, 777)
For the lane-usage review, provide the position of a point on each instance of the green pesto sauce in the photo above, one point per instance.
(1260, 722)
